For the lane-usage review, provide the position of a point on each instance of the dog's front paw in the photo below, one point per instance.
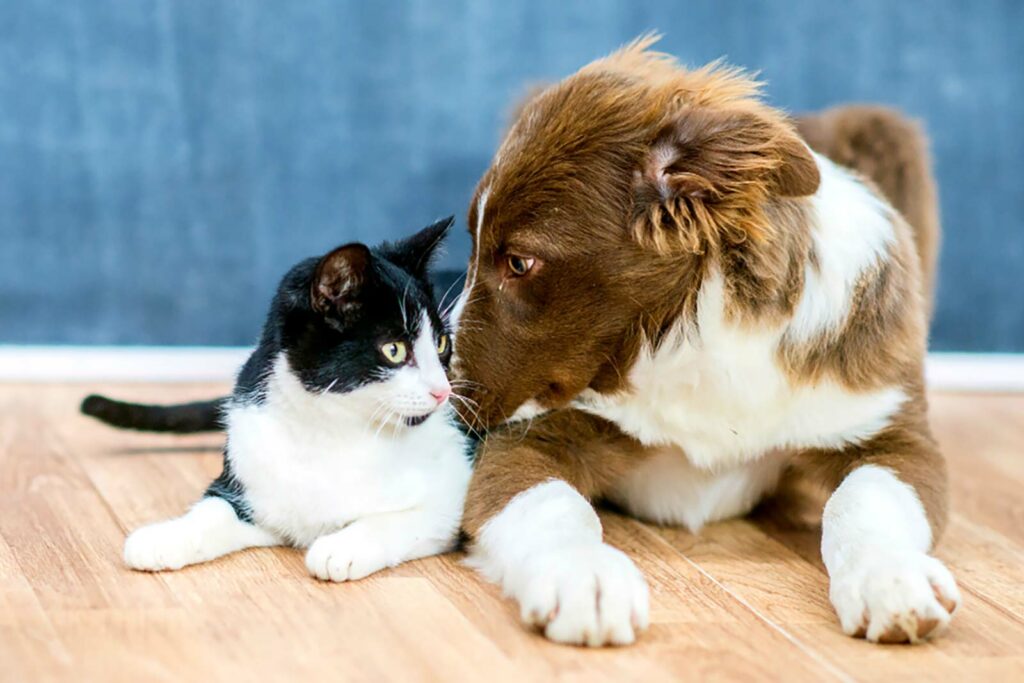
(587, 594)
(345, 556)
(893, 596)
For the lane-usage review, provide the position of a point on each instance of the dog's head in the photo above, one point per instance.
(592, 228)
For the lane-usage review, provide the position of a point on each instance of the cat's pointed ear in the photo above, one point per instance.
(413, 254)
(338, 279)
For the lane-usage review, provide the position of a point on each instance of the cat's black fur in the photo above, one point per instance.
(228, 488)
(181, 418)
(331, 338)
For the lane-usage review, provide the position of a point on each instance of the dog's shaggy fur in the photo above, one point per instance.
(692, 309)
(892, 151)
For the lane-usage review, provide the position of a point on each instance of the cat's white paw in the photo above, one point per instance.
(347, 555)
(210, 529)
(586, 594)
(165, 545)
(892, 596)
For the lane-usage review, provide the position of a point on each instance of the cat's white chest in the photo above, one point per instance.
(725, 400)
(305, 478)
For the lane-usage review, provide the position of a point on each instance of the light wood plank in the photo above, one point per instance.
(741, 601)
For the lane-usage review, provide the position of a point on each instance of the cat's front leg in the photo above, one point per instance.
(377, 542)
(207, 531)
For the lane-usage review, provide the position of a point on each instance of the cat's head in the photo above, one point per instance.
(363, 322)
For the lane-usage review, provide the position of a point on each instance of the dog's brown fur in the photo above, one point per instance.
(626, 183)
(702, 171)
(893, 152)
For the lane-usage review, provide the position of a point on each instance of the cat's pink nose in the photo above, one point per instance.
(441, 395)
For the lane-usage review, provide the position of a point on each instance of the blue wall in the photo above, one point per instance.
(161, 163)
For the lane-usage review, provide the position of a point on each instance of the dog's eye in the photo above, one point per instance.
(442, 344)
(394, 352)
(519, 265)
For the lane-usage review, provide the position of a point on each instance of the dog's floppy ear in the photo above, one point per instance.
(710, 171)
(339, 277)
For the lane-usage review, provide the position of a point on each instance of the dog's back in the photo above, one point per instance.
(892, 150)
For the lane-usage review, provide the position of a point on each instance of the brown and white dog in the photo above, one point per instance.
(691, 307)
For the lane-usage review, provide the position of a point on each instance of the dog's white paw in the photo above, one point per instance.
(892, 596)
(166, 545)
(586, 594)
(346, 555)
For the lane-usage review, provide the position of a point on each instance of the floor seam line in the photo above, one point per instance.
(813, 654)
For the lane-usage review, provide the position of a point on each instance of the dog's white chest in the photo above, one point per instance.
(725, 400)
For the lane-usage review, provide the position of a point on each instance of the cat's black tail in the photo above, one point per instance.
(182, 418)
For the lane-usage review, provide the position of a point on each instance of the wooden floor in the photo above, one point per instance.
(738, 602)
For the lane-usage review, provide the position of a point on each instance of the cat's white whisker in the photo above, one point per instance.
(402, 304)
(474, 414)
(459, 382)
(388, 414)
(465, 400)
(441, 305)
(380, 412)
(469, 302)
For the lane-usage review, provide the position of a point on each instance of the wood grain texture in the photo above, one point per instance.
(743, 600)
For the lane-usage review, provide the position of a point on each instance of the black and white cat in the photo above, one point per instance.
(340, 434)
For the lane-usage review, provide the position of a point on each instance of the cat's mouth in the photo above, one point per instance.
(416, 421)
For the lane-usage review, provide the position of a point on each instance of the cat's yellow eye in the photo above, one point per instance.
(442, 344)
(395, 352)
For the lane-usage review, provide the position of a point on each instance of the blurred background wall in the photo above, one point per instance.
(163, 162)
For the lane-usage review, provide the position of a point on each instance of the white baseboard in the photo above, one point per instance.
(988, 372)
(983, 372)
(121, 363)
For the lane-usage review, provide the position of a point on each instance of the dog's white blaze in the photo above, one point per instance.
(874, 542)
(460, 303)
(545, 550)
(481, 206)
(853, 232)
